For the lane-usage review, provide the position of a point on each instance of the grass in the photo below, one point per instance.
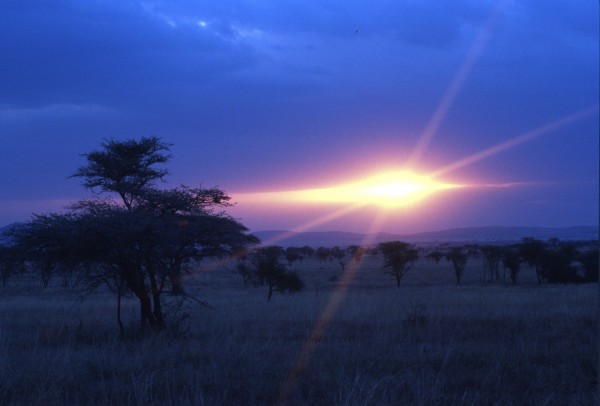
(428, 342)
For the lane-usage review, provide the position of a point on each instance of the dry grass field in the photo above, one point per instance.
(351, 340)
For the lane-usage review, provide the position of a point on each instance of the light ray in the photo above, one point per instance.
(505, 185)
(226, 261)
(314, 223)
(456, 84)
(513, 142)
(329, 312)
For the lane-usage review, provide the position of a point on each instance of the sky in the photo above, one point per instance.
(314, 115)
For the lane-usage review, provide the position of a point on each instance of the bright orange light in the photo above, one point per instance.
(393, 189)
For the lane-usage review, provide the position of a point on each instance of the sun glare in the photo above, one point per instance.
(392, 189)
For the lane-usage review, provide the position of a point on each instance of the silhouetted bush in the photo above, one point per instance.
(266, 268)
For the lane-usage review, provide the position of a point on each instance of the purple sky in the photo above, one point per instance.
(262, 96)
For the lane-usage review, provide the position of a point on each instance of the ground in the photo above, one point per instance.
(345, 340)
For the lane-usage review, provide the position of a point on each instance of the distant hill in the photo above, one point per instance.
(455, 235)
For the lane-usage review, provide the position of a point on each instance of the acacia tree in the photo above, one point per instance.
(339, 254)
(323, 254)
(436, 256)
(458, 256)
(190, 228)
(307, 251)
(10, 262)
(589, 260)
(47, 244)
(533, 252)
(127, 168)
(357, 252)
(492, 255)
(558, 264)
(553, 261)
(267, 269)
(398, 257)
(293, 254)
(143, 239)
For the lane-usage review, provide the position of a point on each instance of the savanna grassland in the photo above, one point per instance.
(345, 340)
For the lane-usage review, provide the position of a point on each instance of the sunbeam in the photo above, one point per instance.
(456, 84)
(329, 312)
(226, 261)
(344, 211)
(520, 139)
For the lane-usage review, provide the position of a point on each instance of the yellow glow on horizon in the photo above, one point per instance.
(389, 189)
(392, 189)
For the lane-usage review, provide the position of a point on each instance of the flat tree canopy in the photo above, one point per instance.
(398, 257)
(133, 235)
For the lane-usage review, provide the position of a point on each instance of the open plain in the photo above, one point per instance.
(349, 338)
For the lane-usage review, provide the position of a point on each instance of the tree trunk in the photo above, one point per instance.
(135, 281)
(146, 312)
(458, 273)
(121, 329)
(538, 274)
(146, 316)
(156, 311)
(176, 286)
(397, 279)
(46, 274)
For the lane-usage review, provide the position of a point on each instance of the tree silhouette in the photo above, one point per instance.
(436, 256)
(554, 261)
(269, 270)
(339, 254)
(512, 261)
(125, 167)
(357, 252)
(533, 253)
(10, 262)
(141, 241)
(398, 257)
(293, 254)
(558, 263)
(323, 254)
(307, 251)
(589, 260)
(458, 256)
(492, 255)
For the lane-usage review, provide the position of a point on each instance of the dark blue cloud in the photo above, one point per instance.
(77, 51)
